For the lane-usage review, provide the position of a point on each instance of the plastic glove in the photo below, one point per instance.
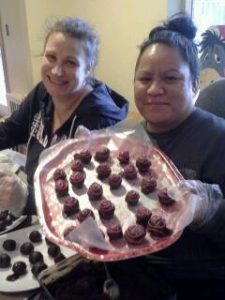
(13, 196)
(206, 200)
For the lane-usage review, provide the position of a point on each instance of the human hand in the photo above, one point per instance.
(203, 198)
(13, 194)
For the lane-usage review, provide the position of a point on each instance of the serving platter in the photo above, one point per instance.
(28, 281)
(50, 207)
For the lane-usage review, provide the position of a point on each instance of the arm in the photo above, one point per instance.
(14, 130)
(209, 214)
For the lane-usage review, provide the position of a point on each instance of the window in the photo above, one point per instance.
(206, 13)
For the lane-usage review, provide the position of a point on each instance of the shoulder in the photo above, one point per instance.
(213, 122)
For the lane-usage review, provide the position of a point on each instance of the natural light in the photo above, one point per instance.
(3, 100)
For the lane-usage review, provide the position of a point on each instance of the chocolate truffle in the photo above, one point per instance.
(143, 164)
(143, 215)
(106, 209)
(115, 181)
(95, 191)
(85, 213)
(38, 267)
(61, 187)
(124, 157)
(77, 165)
(53, 250)
(5, 260)
(9, 245)
(59, 174)
(132, 197)
(77, 179)
(26, 248)
(135, 234)
(164, 198)
(157, 227)
(130, 172)
(114, 232)
(35, 257)
(84, 155)
(102, 154)
(35, 236)
(19, 268)
(148, 185)
(70, 206)
(103, 170)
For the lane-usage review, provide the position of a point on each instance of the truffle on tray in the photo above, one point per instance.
(106, 209)
(102, 154)
(84, 155)
(103, 170)
(143, 215)
(95, 191)
(85, 213)
(130, 172)
(70, 206)
(61, 187)
(77, 179)
(77, 165)
(135, 234)
(9, 245)
(164, 198)
(124, 157)
(35, 236)
(157, 227)
(148, 185)
(143, 164)
(26, 248)
(5, 260)
(132, 197)
(115, 181)
(115, 232)
(59, 174)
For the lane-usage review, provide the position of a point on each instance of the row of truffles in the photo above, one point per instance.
(27, 249)
(135, 234)
(95, 193)
(6, 219)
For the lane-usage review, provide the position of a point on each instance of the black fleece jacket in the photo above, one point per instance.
(32, 123)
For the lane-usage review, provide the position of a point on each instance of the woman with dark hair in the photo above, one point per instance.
(66, 97)
(165, 85)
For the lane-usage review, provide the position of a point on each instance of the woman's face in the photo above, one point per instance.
(63, 70)
(163, 87)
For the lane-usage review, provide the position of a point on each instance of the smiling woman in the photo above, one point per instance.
(66, 97)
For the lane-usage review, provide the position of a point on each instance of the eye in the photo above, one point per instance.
(71, 63)
(217, 58)
(171, 78)
(50, 57)
(144, 79)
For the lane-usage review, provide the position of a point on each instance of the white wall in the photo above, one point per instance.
(16, 47)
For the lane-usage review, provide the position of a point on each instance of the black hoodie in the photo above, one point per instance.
(32, 123)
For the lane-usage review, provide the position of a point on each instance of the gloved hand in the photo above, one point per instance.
(205, 200)
(13, 196)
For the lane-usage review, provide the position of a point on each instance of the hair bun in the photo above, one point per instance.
(183, 24)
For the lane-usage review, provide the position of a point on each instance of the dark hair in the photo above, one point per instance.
(81, 30)
(179, 32)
